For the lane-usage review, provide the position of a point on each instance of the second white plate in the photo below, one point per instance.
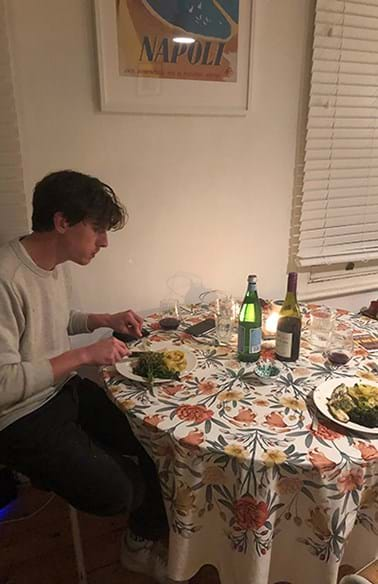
(324, 391)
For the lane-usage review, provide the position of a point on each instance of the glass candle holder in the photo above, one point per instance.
(270, 319)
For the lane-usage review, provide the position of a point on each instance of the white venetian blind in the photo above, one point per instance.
(13, 218)
(339, 199)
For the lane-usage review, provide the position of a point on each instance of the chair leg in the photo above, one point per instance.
(79, 555)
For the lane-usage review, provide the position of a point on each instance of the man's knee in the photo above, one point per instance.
(116, 493)
(119, 503)
(108, 486)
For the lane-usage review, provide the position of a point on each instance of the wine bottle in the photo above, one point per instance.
(289, 323)
(249, 332)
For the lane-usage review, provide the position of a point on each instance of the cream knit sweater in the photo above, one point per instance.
(35, 324)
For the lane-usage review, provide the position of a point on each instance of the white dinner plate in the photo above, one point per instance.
(324, 391)
(126, 367)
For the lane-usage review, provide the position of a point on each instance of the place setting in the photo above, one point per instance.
(162, 362)
(166, 353)
(159, 357)
(345, 399)
(350, 402)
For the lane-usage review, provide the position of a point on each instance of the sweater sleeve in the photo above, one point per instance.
(18, 380)
(78, 323)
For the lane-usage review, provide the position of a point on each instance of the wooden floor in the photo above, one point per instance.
(39, 549)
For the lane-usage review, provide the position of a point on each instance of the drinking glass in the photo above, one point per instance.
(340, 347)
(225, 306)
(223, 327)
(170, 316)
(321, 325)
(236, 312)
(212, 298)
(225, 314)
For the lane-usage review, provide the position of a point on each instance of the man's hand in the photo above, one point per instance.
(126, 322)
(105, 352)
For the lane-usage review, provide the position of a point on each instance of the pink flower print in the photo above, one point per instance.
(207, 387)
(275, 420)
(194, 438)
(320, 461)
(351, 481)
(245, 415)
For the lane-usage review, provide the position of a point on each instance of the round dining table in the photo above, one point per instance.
(257, 482)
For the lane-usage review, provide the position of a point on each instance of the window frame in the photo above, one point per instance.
(328, 280)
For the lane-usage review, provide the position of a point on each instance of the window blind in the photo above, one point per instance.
(339, 185)
(13, 217)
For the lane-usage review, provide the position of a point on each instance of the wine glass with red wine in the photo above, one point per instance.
(340, 349)
(170, 317)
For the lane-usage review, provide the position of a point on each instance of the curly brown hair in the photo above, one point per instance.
(79, 197)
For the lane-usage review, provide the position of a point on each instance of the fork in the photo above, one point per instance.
(374, 366)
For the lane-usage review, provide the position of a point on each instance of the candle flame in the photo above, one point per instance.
(271, 323)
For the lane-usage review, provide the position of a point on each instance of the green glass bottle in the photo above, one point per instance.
(249, 333)
(289, 324)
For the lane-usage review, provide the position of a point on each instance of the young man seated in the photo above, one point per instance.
(56, 428)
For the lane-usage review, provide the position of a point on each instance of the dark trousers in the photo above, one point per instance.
(77, 445)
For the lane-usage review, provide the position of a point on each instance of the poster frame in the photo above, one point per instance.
(145, 95)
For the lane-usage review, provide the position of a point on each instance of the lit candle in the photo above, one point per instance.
(271, 323)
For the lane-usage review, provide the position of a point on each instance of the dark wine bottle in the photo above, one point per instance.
(249, 331)
(289, 323)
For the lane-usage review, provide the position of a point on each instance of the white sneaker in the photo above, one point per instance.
(143, 556)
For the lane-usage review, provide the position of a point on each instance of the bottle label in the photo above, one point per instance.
(241, 335)
(254, 340)
(284, 342)
(251, 337)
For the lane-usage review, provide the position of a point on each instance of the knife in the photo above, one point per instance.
(138, 353)
(133, 354)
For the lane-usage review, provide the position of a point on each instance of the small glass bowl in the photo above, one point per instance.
(267, 371)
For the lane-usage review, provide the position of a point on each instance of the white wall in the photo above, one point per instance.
(352, 302)
(209, 198)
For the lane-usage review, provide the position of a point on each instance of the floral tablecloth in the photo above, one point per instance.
(255, 482)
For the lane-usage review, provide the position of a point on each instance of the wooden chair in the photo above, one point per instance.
(76, 538)
(78, 546)
(367, 575)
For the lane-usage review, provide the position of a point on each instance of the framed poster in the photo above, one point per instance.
(146, 67)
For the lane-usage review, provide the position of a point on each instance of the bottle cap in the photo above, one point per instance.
(252, 278)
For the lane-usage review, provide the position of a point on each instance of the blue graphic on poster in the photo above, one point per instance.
(146, 29)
